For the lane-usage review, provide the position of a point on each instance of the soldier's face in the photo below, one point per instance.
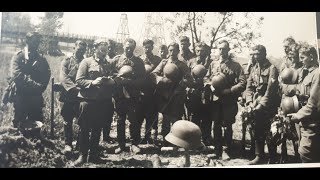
(286, 47)
(307, 60)
(173, 52)
(223, 50)
(293, 55)
(110, 49)
(102, 51)
(148, 48)
(258, 56)
(81, 49)
(163, 53)
(201, 52)
(184, 45)
(33, 43)
(129, 48)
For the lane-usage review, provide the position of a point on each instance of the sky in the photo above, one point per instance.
(276, 26)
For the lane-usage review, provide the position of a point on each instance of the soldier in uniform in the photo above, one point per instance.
(129, 104)
(309, 77)
(149, 111)
(198, 107)
(30, 73)
(70, 106)
(185, 54)
(171, 77)
(111, 54)
(226, 107)
(291, 60)
(261, 94)
(96, 107)
(163, 52)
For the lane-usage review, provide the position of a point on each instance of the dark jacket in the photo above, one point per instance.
(30, 72)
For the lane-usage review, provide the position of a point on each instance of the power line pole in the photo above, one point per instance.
(154, 28)
(123, 30)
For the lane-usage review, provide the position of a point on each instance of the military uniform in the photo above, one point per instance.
(149, 111)
(171, 105)
(225, 108)
(306, 79)
(96, 107)
(309, 116)
(186, 56)
(262, 90)
(132, 105)
(199, 105)
(30, 73)
(70, 106)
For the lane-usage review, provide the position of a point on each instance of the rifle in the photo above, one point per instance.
(52, 109)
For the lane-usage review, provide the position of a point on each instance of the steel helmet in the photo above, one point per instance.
(199, 71)
(171, 71)
(185, 134)
(289, 76)
(126, 71)
(290, 105)
(148, 68)
(219, 81)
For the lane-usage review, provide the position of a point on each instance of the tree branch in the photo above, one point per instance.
(225, 16)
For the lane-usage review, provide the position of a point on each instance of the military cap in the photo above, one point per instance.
(99, 42)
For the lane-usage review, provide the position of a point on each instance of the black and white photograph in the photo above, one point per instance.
(159, 89)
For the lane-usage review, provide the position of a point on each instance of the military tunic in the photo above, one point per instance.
(131, 105)
(31, 74)
(309, 116)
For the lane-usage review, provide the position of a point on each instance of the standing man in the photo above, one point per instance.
(226, 108)
(96, 107)
(70, 106)
(128, 98)
(149, 111)
(198, 107)
(30, 73)
(163, 52)
(171, 77)
(185, 54)
(262, 96)
(111, 54)
(308, 116)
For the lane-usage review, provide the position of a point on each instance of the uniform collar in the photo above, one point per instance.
(98, 60)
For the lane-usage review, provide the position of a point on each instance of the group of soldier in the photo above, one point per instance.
(179, 84)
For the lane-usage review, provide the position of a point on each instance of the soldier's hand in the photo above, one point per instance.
(97, 81)
(293, 117)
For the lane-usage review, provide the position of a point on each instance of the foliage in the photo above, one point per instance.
(240, 29)
(16, 22)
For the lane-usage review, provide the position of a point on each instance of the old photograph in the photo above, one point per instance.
(159, 89)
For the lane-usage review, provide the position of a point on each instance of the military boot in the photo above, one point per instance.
(83, 158)
(259, 159)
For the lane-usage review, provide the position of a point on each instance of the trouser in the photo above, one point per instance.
(89, 142)
(92, 118)
(69, 111)
(202, 118)
(148, 112)
(27, 108)
(222, 120)
(309, 147)
(107, 128)
(166, 124)
(261, 128)
(127, 107)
